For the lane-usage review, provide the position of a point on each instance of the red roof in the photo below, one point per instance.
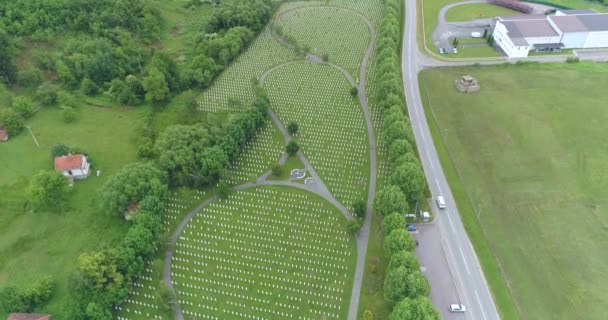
(3, 135)
(70, 162)
(28, 316)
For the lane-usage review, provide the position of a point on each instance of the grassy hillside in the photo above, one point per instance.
(529, 149)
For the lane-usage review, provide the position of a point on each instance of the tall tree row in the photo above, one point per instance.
(405, 287)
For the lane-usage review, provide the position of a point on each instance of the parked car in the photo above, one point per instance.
(442, 50)
(411, 227)
(457, 308)
(455, 50)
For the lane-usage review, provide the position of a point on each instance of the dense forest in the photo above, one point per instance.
(113, 49)
(107, 46)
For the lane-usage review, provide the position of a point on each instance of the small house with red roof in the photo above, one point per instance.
(28, 316)
(3, 134)
(73, 166)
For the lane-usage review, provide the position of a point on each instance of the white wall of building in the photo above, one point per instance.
(80, 173)
(504, 42)
(598, 39)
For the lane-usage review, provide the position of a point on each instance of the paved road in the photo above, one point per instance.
(468, 278)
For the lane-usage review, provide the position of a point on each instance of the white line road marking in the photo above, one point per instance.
(438, 187)
(451, 224)
(465, 261)
(480, 306)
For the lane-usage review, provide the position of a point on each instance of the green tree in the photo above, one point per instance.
(485, 33)
(354, 91)
(214, 162)
(155, 86)
(292, 147)
(395, 283)
(30, 77)
(47, 93)
(360, 208)
(393, 221)
(132, 184)
(48, 189)
(24, 106)
(292, 127)
(417, 285)
(59, 150)
(405, 259)
(89, 87)
(390, 199)
(396, 241)
(13, 300)
(414, 309)
(398, 149)
(100, 270)
(8, 69)
(223, 190)
(11, 120)
(95, 311)
(410, 179)
(40, 291)
(396, 131)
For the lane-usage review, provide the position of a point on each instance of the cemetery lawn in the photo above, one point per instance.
(322, 30)
(48, 243)
(332, 131)
(266, 251)
(534, 164)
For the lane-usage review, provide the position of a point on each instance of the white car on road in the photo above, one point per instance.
(457, 308)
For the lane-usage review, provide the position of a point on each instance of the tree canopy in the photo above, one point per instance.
(393, 221)
(398, 240)
(390, 199)
(414, 309)
(48, 190)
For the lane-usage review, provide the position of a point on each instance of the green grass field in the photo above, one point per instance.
(273, 252)
(527, 157)
(47, 243)
(476, 11)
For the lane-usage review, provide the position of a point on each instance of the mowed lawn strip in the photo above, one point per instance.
(523, 154)
(476, 11)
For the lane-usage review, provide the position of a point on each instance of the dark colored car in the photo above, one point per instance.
(411, 227)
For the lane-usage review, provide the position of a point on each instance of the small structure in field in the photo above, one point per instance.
(3, 134)
(467, 84)
(73, 166)
(29, 316)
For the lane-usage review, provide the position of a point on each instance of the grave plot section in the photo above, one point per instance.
(337, 32)
(258, 156)
(265, 253)
(144, 301)
(372, 9)
(332, 133)
(233, 90)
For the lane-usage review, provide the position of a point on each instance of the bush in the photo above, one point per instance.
(223, 190)
(325, 57)
(292, 147)
(24, 106)
(11, 120)
(46, 93)
(277, 170)
(360, 208)
(354, 91)
(68, 114)
(59, 150)
(292, 127)
(89, 87)
(48, 190)
(572, 59)
(31, 77)
(354, 225)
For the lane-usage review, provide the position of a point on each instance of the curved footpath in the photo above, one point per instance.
(317, 187)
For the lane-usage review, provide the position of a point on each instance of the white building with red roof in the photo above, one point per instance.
(73, 166)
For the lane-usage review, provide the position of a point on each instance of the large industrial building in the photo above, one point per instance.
(566, 29)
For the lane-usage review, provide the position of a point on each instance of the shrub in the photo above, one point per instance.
(354, 225)
(359, 208)
(292, 127)
(24, 106)
(11, 120)
(572, 59)
(31, 77)
(277, 170)
(292, 147)
(354, 91)
(46, 93)
(68, 114)
(368, 315)
(59, 150)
